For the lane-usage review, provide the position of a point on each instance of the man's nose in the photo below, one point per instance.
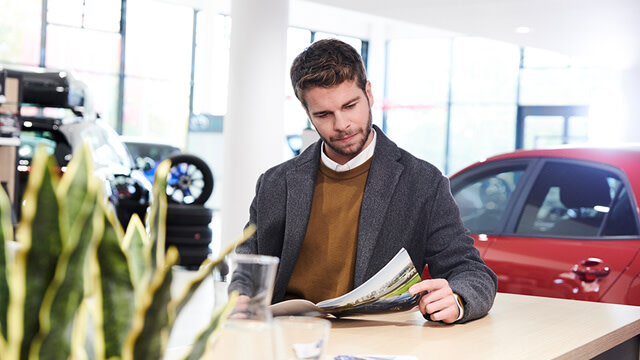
(340, 121)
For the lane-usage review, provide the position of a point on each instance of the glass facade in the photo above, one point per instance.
(20, 32)
(158, 70)
(450, 101)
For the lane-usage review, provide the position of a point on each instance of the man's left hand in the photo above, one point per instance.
(437, 300)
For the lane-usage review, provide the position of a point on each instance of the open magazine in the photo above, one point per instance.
(386, 291)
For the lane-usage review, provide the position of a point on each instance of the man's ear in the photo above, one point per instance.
(306, 111)
(369, 93)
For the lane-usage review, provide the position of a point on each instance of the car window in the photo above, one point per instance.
(621, 219)
(157, 152)
(483, 201)
(106, 147)
(574, 200)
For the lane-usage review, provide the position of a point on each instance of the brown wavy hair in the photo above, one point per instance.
(327, 63)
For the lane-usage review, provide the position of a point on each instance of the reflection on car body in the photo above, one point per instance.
(557, 222)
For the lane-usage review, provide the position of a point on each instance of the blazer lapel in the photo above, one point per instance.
(300, 185)
(383, 177)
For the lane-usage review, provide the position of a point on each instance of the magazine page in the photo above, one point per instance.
(386, 291)
(296, 307)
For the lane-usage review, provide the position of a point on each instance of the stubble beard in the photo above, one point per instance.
(360, 146)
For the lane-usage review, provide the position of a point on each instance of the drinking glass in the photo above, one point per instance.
(300, 337)
(247, 333)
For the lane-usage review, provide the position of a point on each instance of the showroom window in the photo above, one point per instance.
(84, 37)
(454, 101)
(447, 96)
(555, 91)
(158, 70)
(20, 32)
(416, 104)
(211, 70)
(450, 101)
(484, 92)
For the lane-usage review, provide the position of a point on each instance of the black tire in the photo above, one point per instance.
(189, 232)
(182, 242)
(190, 180)
(191, 236)
(188, 215)
(192, 256)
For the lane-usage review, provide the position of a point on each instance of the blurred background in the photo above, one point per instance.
(453, 81)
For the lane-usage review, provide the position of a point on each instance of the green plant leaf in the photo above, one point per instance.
(115, 295)
(6, 234)
(137, 248)
(80, 331)
(207, 338)
(40, 242)
(74, 184)
(158, 214)
(66, 292)
(149, 334)
(207, 268)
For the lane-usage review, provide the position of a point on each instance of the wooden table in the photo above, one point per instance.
(517, 327)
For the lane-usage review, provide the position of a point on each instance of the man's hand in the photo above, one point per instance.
(242, 304)
(437, 300)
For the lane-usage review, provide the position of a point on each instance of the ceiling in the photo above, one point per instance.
(607, 30)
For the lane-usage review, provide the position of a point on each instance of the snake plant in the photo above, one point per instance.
(79, 286)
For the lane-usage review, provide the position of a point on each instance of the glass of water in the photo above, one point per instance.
(247, 333)
(300, 337)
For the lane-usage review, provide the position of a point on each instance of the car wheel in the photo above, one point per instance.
(190, 180)
(188, 215)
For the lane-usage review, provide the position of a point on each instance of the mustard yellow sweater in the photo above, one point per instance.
(325, 265)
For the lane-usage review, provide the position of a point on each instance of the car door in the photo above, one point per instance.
(485, 196)
(568, 234)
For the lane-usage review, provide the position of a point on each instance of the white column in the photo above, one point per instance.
(631, 91)
(253, 127)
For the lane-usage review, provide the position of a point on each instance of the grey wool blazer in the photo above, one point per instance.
(407, 203)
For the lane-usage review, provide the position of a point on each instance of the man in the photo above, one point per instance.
(338, 212)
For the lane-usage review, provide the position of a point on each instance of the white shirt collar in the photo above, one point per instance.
(360, 159)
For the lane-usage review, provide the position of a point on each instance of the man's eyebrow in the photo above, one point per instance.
(321, 112)
(352, 100)
(348, 102)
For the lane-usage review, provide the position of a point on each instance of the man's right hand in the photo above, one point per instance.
(239, 311)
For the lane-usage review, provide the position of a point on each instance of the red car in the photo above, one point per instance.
(557, 222)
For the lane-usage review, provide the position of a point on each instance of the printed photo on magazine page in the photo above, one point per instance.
(386, 291)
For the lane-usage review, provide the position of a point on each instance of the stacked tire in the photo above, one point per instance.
(189, 186)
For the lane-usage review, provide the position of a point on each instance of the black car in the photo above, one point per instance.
(60, 122)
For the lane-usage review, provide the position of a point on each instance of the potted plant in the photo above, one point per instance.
(80, 287)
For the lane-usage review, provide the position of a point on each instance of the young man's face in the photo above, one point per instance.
(342, 116)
